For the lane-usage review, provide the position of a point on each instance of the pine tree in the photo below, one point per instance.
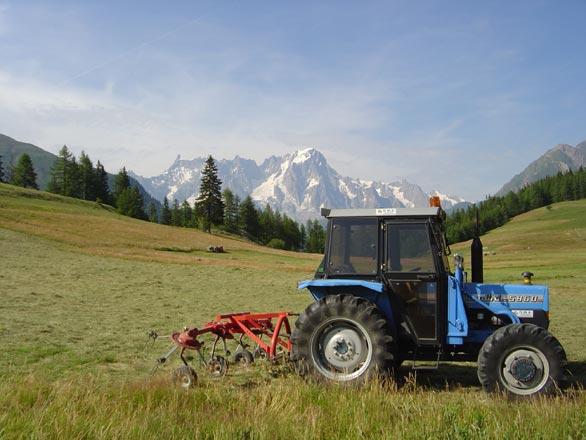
(175, 214)
(186, 214)
(291, 234)
(128, 200)
(302, 238)
(24, 173)
(2, 175)
(267, 225)
(121, 183)
(75, 189)
(125, 202)
(231, 203)
(102, 187)
(129, 203)
(88, 178)
(316, 237)
(138, 205)
(63, 174)
(248, 218)
(209, 201)
(153, 217)
(166, 214)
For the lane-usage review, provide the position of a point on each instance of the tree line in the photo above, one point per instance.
(82, 180)
(227, 212)
(496, 211)
(79, 179)
(213, 207)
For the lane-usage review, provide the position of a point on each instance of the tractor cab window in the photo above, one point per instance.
(409, 248)
(353, 246)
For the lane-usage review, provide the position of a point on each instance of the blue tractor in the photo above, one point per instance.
(385, 294)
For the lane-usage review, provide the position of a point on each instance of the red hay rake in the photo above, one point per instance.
(253, 326)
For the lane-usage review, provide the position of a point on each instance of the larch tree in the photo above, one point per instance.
(121, 183)
(102, 187)
(128, 200)
(186, 214)
(176, 213)
(166, 214)
(64, 174)
(153, 217)
(87, 177)
(129, 203)
(23, 174)
(316, 237)
(232, 204)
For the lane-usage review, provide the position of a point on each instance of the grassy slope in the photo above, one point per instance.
(552, 245)
(81, 286)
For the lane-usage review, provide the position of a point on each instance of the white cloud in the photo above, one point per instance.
(381, 98)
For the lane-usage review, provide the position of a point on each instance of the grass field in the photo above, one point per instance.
(81, 287)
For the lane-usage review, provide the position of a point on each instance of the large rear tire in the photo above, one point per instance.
(522, 361)
(342, 338)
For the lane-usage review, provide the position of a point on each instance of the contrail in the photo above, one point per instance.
(131, 50)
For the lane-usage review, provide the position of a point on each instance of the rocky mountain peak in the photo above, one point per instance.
(562, 157)
(297, 184)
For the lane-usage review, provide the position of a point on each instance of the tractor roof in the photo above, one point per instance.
(382, 212)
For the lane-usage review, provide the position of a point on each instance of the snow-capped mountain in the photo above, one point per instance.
(297, 184)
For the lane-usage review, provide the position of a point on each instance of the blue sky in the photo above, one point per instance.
(452, 95)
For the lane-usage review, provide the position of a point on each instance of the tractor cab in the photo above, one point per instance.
(403, 250)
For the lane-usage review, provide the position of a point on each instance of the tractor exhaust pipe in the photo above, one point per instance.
(476, 253)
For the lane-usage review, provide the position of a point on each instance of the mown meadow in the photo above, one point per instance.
(82, 286)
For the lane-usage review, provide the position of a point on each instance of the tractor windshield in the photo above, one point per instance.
(353, 246)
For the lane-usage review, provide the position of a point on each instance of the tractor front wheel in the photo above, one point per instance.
(522, 360)
(342, 338)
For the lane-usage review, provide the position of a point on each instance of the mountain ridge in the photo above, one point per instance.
(562, 157)
(297, 184)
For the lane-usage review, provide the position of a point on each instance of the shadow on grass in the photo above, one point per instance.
(446, 377)
(578, 374)
(453, 376)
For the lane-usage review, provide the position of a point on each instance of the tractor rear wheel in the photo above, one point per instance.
(342, 338)
(522, 361)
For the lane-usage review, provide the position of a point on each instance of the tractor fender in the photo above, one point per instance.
(370, 290)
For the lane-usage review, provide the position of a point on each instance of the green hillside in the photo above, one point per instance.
(82, 286)
(551, 243)
(11, 150)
